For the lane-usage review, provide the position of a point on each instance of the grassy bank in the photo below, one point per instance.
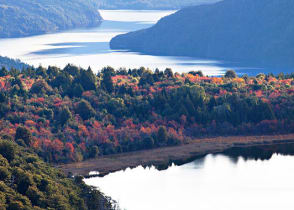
(163, 157)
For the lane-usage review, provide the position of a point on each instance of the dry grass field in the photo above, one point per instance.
(162, 157)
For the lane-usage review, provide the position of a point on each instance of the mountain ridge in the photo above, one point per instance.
(229, 30)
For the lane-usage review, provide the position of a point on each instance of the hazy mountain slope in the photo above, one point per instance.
(28, 17)
(248, 30)
(8, 63)
(150, 4)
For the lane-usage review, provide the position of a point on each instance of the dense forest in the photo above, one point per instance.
(150, 4)
(29, 17)
(26, 182)
(9, 63)
(258, 32)
(71, 114)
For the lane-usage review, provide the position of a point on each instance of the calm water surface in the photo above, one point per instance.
(216, 182)
(90, 47)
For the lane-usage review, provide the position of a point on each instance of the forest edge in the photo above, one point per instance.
(161, 158)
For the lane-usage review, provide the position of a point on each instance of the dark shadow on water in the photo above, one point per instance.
(198, 163)
(76, 48)
(259, 152)
(262, 152)
(198, 63)
(114, 26)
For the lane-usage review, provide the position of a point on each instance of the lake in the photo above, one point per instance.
(258, 178)
(90, 47)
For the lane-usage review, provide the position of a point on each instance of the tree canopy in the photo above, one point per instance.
(54, 112)
(26, 182)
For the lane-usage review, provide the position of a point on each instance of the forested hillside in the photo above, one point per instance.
(9, 63)
(258, 32)
(72, 114)
(29, 17)
(150, 4)
(26, 182)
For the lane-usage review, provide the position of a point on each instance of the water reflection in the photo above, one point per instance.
(251, 178)
(75, 48)
(264, 152)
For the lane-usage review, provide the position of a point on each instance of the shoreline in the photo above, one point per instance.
(41, 33)
(165, 156)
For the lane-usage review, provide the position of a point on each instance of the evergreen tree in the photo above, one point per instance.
(231, 74)
(24, 134)
(63, 80)
(41, 71)
(148, 142)
(64, 116)
(94, 152)
(7, 150)
(168, 72)
(85, 110)
(53, 71)
(77, 90)
(87, 79)
(162, 135)
(3, 72)
(107, 83)
(72, 70)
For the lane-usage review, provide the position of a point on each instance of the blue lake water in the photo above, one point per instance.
(90, 47)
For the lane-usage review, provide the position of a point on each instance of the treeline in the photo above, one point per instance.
(71, 114)
(26, 182)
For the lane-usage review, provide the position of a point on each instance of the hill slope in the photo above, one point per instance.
(245, 30)
(26, 182)
(9, 63)
(29, 17)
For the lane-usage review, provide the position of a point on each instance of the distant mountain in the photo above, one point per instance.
(256, 31)
(12, 63)
(150, 4)
(29, 17)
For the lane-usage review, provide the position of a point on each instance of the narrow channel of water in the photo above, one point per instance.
(90, 47)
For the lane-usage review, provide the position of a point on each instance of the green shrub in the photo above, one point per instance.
(7, 150)
(85, 110)
(15, 205)
(3, 161)
(24, 134)
(4, 173)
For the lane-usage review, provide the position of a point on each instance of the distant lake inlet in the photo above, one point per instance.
(90, 47)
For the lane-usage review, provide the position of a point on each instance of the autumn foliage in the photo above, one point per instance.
(71, 114)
